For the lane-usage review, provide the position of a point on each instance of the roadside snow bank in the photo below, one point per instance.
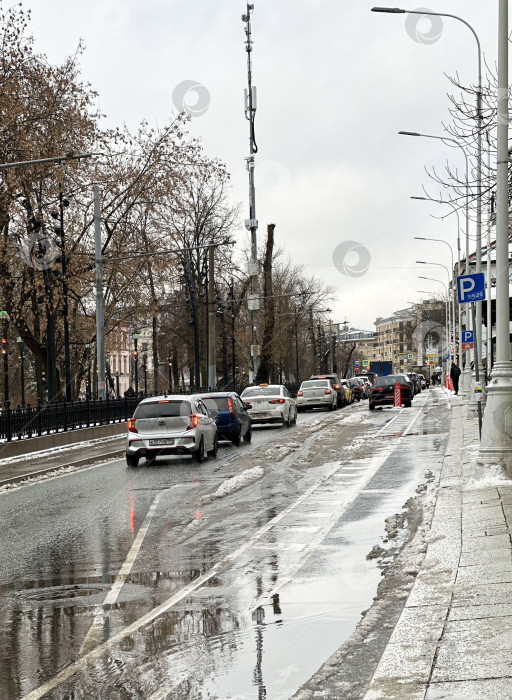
(493, 476)
(234, 484)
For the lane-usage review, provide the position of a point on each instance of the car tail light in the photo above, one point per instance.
(230, 407)
(336, 386)
(131, 426)
(194, 421)
(277, 401)
(376, 388)
(404, 386)
(300, 393)
(328, 391)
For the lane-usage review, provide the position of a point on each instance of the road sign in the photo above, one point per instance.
(356, 363)
(467, 340)
(366, 363)
(471, 288)
(409, 356)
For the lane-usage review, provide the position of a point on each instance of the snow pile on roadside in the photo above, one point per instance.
(492, 477)
(52, 451)
(234, 484)
(281, 451)
(354, 418)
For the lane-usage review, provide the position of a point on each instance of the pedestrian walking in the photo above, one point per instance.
(454, 376)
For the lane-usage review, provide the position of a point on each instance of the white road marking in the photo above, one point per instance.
(112, 595)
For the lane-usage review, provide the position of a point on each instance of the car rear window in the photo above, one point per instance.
(315, 384)
(390, 379)
(262, 391)
(163, 409)
(216, 403)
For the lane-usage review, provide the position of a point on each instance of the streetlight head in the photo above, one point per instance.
(423, 199)
(420, 238)
(408, 133)
(421, 262)
(391, 10)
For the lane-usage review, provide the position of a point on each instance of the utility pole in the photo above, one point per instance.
(100, 328)
(252, 223)
(233, 342)
(212, 315)
(67, 358)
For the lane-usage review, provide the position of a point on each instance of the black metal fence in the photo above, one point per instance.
(34, 421)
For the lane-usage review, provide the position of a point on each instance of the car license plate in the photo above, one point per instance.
(259, 415)
(161, 441)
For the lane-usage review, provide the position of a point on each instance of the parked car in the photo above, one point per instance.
(231, 416)
(409, 380)
(383, 391)
(336, 385)
(416, 380)
(170, 425)
(317, 393)
(349, 398)
(372, 376)
(270, 403)
(357, 388)
(367, 386)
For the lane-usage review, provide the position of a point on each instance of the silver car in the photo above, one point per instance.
(270, 403)
(317, 393)
(170, 425)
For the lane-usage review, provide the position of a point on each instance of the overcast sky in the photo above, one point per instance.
(335, 83)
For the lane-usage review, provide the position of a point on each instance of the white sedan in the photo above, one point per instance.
(270, 403)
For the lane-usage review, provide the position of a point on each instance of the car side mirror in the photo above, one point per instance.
(247, 406)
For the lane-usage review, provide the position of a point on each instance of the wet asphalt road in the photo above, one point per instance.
(134, 583)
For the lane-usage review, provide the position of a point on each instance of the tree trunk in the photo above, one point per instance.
(269, 318)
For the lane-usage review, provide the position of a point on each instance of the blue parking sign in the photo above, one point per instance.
(471, 288)
(467, 336)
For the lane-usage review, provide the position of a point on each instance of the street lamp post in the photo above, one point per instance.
(451, 301)
(135, 337)
(496, 441)
(88, 394)
(118, 393)
(21, 357)
(145, 368)
(447, 311)
(397, 10)
(466, 371)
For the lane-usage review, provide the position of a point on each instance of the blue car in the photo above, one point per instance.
(233, 421)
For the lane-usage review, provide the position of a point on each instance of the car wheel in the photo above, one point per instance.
(331, 407)
(214, 451)
(299, 410)
(371, 406)
(294, 421)
(407, 404)
(248, 435)
(236, 439)
(132, 461)
(199, 453)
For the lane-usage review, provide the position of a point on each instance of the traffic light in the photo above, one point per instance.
(4, 346)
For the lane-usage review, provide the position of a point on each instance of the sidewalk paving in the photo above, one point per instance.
(454, 636)
(81, 454)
